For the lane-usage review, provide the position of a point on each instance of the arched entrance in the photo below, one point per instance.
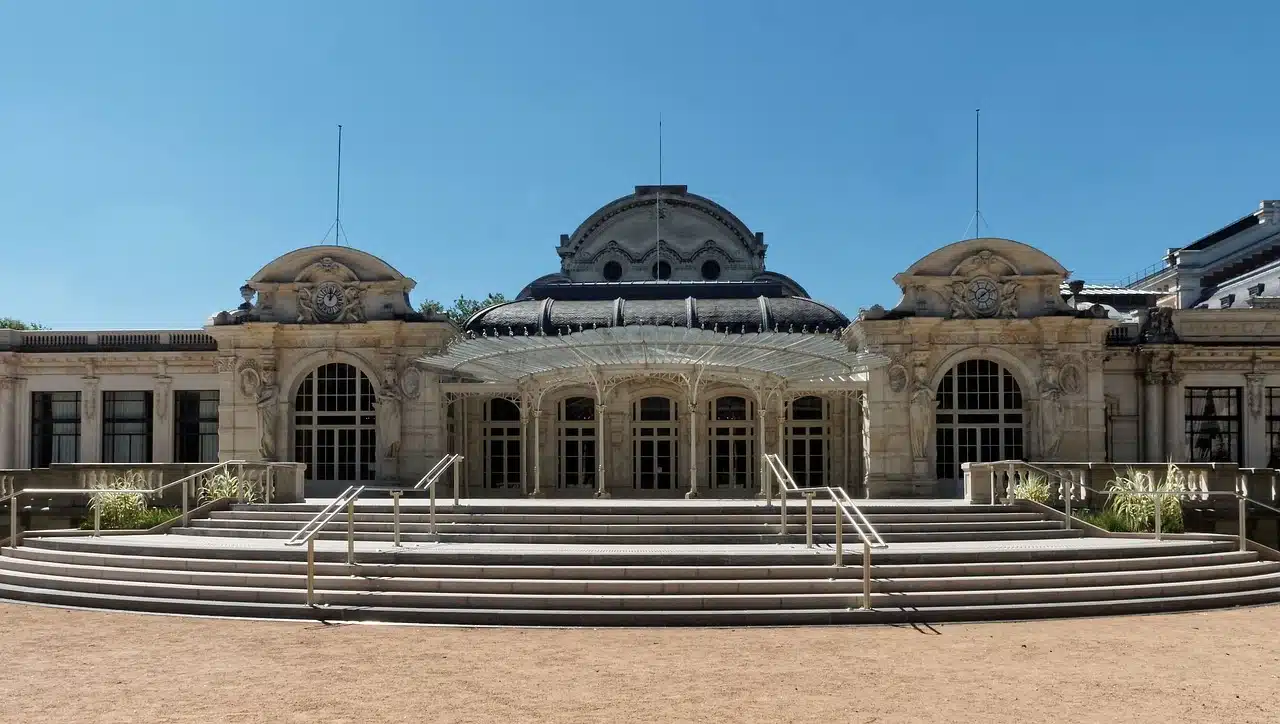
(979, 417)
(576, 443)
(335, 426)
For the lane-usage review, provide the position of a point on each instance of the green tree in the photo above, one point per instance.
(463, 307)
(11, 323)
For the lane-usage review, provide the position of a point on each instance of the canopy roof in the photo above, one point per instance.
(787, 356)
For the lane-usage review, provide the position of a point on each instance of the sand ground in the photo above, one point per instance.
(87, 666)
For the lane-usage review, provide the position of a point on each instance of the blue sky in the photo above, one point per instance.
(155, 155)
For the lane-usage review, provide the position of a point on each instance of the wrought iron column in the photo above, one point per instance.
(537, 452)
(600, 448)
(693, 450)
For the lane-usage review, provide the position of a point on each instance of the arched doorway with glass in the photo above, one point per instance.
(731, 444)
(807, 433)
(576, 443)
(655, 438)
(979, 418)
(335, 425)
(501, 439)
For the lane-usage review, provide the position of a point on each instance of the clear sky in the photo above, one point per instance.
(155, 155)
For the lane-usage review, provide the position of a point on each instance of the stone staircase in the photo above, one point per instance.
(596, 563)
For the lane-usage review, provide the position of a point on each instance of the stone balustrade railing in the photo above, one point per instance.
(994, 482)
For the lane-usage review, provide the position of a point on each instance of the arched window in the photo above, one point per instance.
(979, 417)
(655, 436)
(731, 443)
(501, 444)
(576, 442)
(807, 433)
(334, 424)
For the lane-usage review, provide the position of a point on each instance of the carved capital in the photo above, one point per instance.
(1254, 393)
(1173, 378)
(1152, 378)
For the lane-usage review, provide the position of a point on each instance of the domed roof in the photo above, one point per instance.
(741, 307)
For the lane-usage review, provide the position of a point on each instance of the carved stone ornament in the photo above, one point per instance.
(160, 400)
(1254, 393)
(411, 382)
(250, 378)
(225, 365)
(330, 302)
(897, 378)
(1070, 379)
(984, 297)
(89, 402)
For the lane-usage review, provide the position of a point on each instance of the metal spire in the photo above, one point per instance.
(657, 215)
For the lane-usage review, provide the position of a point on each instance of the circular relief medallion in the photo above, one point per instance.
(1070, 379)
(897, 378)
(983, 297)
(329, 301)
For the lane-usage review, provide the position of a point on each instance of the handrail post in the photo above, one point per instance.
(434, 535)
(457, 478)
(270, 477)
(808, 520)
(1066, 497)
(1243, 513)
(186, 504)
(1158, 516)
(14, 536)
(311, 571)
(866, 574)
(782, 490)
(97, 520)
(395, 518)
(839, 540)
(351, 532)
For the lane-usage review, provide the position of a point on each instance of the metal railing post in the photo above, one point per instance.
(1243, 513)
(839, 539)
(97, 521)
(351, 533)
(1013, 476)
(395, 518)
(15, 537)
(808, 520)
(271, 483)
(782, 491)
(457, 481)
(186, 504)
(311, 571)
(435, 536)
(1066, 497)
(866, 574)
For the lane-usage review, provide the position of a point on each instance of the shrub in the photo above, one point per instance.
(144, 520)
(1136, 511)
(1105, 519)
(119, 510)
(226, 485)
(1034, 487)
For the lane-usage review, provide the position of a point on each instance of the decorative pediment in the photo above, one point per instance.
(982, 279)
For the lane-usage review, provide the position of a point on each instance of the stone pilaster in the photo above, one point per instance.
(8, 423)
(1175, 447)
(1152, 417)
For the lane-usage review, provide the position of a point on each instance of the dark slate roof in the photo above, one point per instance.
(556, 307)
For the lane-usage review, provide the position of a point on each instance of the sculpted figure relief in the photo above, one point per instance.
(388, 415)
(267, 418)
(922, 416)
(1051, 422)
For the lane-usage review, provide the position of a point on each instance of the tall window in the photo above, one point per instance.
(502, 444)
(335, 424)
(731, 443)
(1213, 424)
(807, 440)
(55, 428)
(655, 434)
(195, 432)
(978, 418)
(126, 427)
(1273, 427)
(576, 423)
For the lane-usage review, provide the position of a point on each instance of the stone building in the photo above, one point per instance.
(667, 368)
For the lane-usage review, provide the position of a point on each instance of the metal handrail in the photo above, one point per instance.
(1242, 500)
(312, 528)
(845, 509)
(15, 536)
